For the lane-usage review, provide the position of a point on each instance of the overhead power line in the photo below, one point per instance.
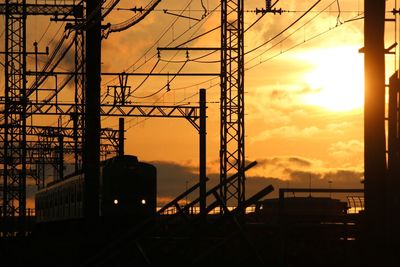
(284, 30)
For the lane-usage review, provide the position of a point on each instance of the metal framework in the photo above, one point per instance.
(17, 7)
(14, 165)
(79, 97)
(13, 129)
(232, 154)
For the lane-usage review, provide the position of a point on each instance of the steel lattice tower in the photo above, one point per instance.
(79, 98)
(16, 152)
(14, 160)
(232, 156)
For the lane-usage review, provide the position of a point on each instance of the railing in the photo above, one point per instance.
(196, 210)
(355, 204)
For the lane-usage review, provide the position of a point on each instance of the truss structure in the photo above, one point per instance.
(232, 156)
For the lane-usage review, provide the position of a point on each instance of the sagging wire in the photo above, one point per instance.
(291, 34)
(175, 104)
(274, 56)
(191, 60)
(145, 79)
(198, 36)
(170, 61)
(338, 21)
(167, 86)
(132, 66)
(44, 33)
(259, 18)
(294, 46)
(281, 52)
(284, 30)
(170, 80)
(165, 32)
(205, 10)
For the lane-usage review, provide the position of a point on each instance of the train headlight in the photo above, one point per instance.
(143, 201)
(115, 201)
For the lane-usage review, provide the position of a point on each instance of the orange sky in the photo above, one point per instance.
(303, 107)
(304, 91)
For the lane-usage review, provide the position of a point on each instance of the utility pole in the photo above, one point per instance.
(393, 179)
(202, 161)
(91, 147)
(374, 131)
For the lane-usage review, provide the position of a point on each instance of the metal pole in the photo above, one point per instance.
(121, 138)
(202, 171)
(61, 157)
(75, 119)
(374, 129)
(393, 179)
(91, 153)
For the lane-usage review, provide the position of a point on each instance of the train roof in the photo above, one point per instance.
(125, 158)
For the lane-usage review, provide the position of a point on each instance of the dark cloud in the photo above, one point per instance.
(283, 94)
(172, 178)
(284, 162)
(299, 161)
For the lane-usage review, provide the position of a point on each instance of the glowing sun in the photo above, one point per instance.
(337, 81)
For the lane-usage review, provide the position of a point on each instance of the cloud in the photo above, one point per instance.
(290, 171)
(298, 170)
(174, 178)
(346, 151)
(338, 128)
(287, 132)
(283, 162)
(279, 104)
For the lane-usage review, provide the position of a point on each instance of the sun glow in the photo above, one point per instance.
(337, 81)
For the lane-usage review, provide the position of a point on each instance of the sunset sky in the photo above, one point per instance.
(304, 90)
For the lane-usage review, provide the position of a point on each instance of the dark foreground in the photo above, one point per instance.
(191, 241)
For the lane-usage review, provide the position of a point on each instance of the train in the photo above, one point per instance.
(128, 188)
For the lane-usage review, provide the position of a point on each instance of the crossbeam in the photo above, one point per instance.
(44, 9)
(191, 113)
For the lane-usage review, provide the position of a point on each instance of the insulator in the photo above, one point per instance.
(268, 5)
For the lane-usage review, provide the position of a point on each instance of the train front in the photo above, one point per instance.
(129, 188)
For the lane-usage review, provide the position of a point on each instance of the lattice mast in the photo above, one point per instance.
(232, 154)
(14, 157)
(16, 152)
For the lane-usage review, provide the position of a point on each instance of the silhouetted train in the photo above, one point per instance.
(127, 188)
